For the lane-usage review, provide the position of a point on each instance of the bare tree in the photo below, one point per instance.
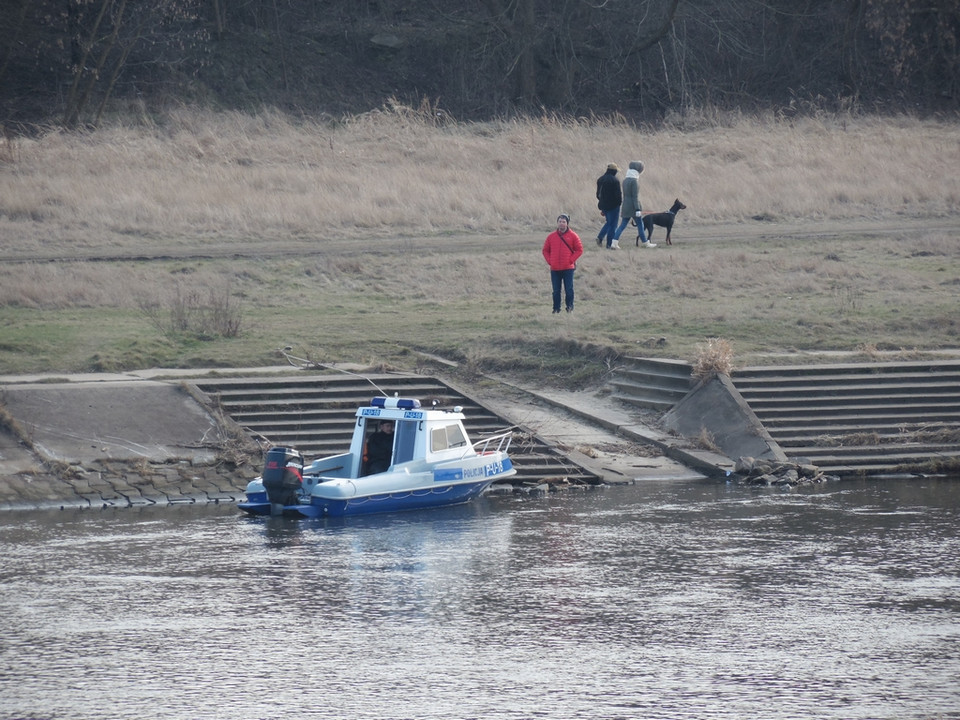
(105, 35)
(481, 58)
(920, 43)
(546, 50)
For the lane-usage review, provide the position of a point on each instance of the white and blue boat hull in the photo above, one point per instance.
(335, 499)
(434, 466)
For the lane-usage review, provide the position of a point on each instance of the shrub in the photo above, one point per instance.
(714, 358)
(190, 312)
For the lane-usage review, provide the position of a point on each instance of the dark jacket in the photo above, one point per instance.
(379, 452)
(609, 196)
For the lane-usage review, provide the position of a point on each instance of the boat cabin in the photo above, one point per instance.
(420, 437)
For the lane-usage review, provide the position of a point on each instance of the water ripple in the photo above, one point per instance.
(665, 601)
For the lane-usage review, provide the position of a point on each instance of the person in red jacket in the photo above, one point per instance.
(561, 250)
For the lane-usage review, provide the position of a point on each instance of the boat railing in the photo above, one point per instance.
(494, 443)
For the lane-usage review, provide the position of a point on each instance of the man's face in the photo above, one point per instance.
(387, 427)
(562, 225)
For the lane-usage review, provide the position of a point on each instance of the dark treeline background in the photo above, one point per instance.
(75, 62)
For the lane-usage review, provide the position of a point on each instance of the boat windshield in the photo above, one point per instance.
(447, 436)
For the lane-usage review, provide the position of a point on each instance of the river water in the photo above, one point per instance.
(679, 599)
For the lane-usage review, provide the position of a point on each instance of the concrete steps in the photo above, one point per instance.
(860, 418)
(315, 414)
(846, 418)
(651, 383)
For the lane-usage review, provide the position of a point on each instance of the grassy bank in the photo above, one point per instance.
(214, 240)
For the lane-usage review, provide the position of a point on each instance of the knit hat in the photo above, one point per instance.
(563, 216)
(613, 166)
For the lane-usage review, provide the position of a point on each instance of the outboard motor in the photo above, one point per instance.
(282, 475)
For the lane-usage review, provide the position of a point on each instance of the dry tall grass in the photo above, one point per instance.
(229, 177)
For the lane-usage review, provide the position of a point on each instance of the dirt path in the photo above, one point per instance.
(21, 249)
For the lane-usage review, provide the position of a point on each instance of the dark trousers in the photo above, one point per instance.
(564, 278)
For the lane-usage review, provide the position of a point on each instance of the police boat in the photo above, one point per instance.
(430, 463)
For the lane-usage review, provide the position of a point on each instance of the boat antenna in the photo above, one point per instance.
(307, 364)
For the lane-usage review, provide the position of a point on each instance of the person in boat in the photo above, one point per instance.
(561, 250)
(379, 449)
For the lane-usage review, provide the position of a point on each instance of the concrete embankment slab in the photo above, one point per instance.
(716, 408)
(680, 457)
(118, 420)
(118, 442)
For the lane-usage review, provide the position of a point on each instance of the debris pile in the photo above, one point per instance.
(750, 471)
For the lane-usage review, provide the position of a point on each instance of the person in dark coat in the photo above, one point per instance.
(379, 449)
(609, 199)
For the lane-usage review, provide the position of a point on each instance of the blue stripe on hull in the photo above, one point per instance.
(404, 500)
(490, 470)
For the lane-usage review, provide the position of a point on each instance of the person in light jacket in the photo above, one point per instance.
(561, 250)
(631, 208)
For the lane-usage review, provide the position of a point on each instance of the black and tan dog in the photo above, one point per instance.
(663, 219)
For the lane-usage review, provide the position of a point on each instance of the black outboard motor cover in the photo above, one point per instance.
(282, 475)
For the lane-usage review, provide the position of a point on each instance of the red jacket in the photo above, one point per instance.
(562, 251)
